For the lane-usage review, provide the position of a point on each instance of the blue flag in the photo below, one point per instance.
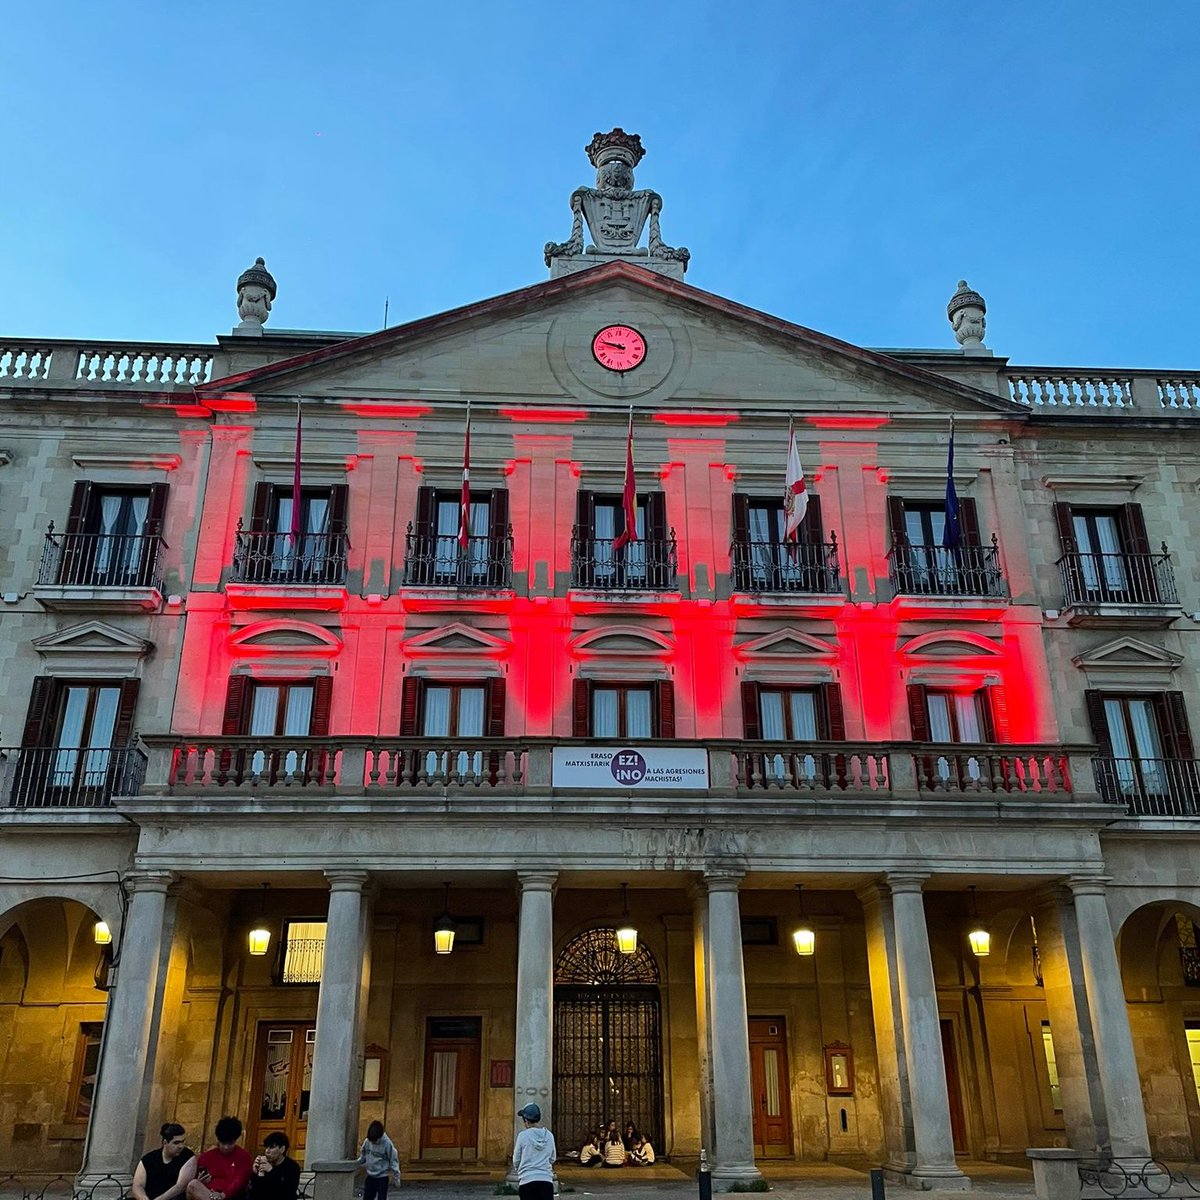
(952, 531)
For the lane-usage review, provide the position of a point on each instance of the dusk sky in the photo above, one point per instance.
(838, 164)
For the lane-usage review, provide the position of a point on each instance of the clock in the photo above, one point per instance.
(619, 347)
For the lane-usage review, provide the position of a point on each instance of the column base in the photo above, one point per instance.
(929, 1179)
(723, 1175)
(99, 1185)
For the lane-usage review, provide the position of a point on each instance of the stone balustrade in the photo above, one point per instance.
(71, 364)
(1114, 393)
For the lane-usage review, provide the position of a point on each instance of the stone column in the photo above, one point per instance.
(338, 1053)
(701, 957)
(115, 1131)
(1115, 1059)
(533, 1070)
(933, 1141)
(732, 1114)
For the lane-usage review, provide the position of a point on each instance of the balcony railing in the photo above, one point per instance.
(812, 767)
(1134, 579)
(70, 777)
(647, 565)
(1151, 787)
(309, 559)
(50, 362)
(112, 560)
(920, 570)
(978, 767)
(806, 567)
(440, 561)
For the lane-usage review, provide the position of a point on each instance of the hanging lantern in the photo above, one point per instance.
(259, 939)
(101, 934)
(443, 930)
(803, 937)
(626, 933)
(978, 936)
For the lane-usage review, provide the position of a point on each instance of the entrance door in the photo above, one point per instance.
(283, 1073)
(958, 1124)
(450, 1096)
(769, 1087)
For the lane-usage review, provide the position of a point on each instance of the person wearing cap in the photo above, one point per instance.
(533, 1157)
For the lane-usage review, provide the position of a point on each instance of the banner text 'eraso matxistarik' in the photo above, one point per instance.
(650, 768)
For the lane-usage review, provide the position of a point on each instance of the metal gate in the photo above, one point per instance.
(607, 1040)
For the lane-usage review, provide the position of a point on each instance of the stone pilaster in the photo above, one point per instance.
(338, 1053)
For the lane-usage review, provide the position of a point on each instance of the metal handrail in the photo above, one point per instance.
(647, 565)
(115, 560)
(774, 566)
(271, 557)
(439, 560)
(916, 569)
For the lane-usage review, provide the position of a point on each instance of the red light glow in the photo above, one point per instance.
(695, 420)
(849, 421)
(547, 416)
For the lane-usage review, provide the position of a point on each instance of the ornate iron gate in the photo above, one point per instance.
(607, 1039)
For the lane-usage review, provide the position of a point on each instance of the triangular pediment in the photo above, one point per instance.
(92, 637)
(787, 643)
(623, 640)
(535, 345)
(1128, 653)
(455, 638)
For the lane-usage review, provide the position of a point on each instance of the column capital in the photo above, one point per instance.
(905, 881)
(348, 881)
(149, 881)
(1089, 885)
(873, 893)
(723, 879)
(536, 881)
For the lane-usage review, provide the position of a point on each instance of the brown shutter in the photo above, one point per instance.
(1099, 721)
(918, 712)
(40, 715)
(1142, 582)
(233, 720)
(262, 515)
(751, 719)
(968, 521)
(1066, 527)
(585, 513)
(1173, 722)
(495, 708)
(740, 555)
(813, 530)
(410, 694)
(989, 703)
(834, 714)
(996, 711)
(157, 510)
(81, 500)
(126, 706)
(423, 517)
(895, 506)
(656, 517)
(664, 696)
(1133, 526)
(498, 537)
(581, 716)
(318, 725)
(339, 503)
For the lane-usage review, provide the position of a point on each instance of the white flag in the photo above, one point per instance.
(795, 498)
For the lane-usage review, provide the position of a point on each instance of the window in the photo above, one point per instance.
(1051, 1068)
(269, 553)
(763, 562)
(942, 715)
(1191, 1031)
(624, 710)
(759, 931)
(1146, 754)
(454, 711)
(1106, 556)
(796, 715)
(921, 565)
(75, 748)
(435, 557)
(303, 952)
(112, 537)
(83, 1074)
(277, 708)
(598, 562)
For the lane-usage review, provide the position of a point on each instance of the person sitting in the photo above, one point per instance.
(223, 1171)
(613, 1148)
(275, 1175)
(642, 1154)
(164, 1174)
(630, 1136)
(591, 1155)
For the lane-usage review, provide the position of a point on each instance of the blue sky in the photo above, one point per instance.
(840, 164)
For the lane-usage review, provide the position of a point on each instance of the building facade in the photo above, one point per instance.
(277, 740)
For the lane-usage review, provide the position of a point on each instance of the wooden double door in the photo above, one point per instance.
(283, 1062)
(770, 1088)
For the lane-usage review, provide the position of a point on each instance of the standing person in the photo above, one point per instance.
(533, 1157)
(222, 1172)
(378, 1155)
(274, 1176)
(164, 1174)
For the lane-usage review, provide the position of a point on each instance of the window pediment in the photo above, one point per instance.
(455, 638)
(952, 644)
(93, 648)
(279, 637)
(787, 642)
(1128, 661)
(622, 640)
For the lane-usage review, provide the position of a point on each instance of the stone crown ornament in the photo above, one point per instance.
(259, 276)
(966, 313)
(618, 144)
(964, 297)
(255, 291)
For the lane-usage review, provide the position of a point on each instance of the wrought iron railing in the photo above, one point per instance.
(966, 768)
(308, 559)
(1150, 787)
(1189, 962)
(920, 570)
(647, 565)
(114, 560)
(70, 776)
(441, 561)
(1118, 578)
(810, 567)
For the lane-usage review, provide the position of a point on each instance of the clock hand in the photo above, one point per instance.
(614, 345)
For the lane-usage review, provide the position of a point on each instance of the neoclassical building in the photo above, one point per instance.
(273, 733)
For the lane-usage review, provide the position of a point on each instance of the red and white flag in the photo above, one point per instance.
(628, 494)
(795, 498)
(464, 515)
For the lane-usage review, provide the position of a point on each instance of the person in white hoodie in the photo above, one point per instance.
(533, 1157)
(378, 1155)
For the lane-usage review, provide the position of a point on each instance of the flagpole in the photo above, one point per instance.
(628, 494)
(464, 514)
(294, 531)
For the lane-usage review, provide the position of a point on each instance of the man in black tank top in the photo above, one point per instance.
(165, 1173)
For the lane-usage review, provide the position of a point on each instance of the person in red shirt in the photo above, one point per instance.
(223, 1172)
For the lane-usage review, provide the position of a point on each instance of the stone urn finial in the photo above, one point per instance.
(255, 291)
(965, 313)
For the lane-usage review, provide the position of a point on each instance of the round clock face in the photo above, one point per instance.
(619, 347)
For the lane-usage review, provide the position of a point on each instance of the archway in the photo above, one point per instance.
(607, 1038)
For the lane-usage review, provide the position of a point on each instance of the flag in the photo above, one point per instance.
(628, 494)
(464, 515)
(294, 531)
(952, 531)
(795, 498)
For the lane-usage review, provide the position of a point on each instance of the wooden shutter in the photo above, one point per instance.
(996, 710)
(498, 564)
(339, 503)
(741, 543)
(834, 716)
(122, 734)
(157, 510)
(1173, 725)
(40, 714)
(585, 513)
(986, 708)
(262, 515)
(410, 695)
(237, 695)
(664, 702)
(1066, 527)
(918, 712)
(81, 502)
(1142, 582)
(581, 716)
(895, 506)
(1099, 721)
(494, 725)
(657, 550)
(318, 725)
(1133, 526)
(812, 529)
(751, 718)
(968, 521)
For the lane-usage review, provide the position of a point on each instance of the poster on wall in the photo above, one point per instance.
(652, 768)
